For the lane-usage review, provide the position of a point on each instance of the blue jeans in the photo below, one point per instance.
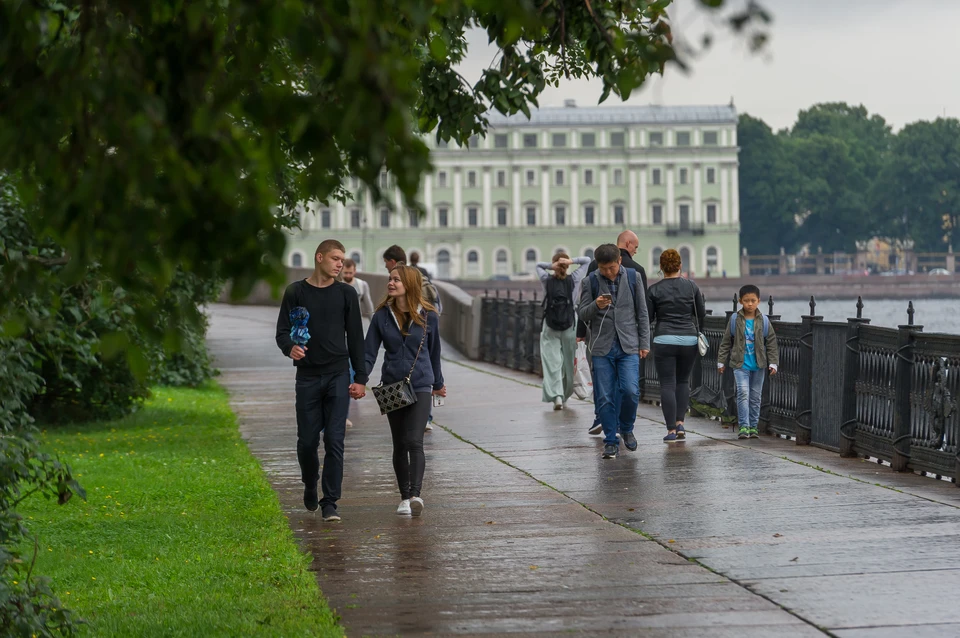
(749, 392)
(617, 377)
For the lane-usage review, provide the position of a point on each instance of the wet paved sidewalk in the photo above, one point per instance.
(528, 531)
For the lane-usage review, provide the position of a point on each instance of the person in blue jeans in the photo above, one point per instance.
(751, 345)
(614, 308)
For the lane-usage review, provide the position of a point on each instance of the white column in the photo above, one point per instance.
(457, 213)
(632, 183)
(724, 205)
(546, 218)
(670, 214)
(430, 221)
(631, 138)
(735, 195)
(342, 221)
(644, 208)
(603, 215)
(733, 136)
(402, 220)
(518, 215)
(697, 196)
(368, 216)
(487, 214)
(573, 216)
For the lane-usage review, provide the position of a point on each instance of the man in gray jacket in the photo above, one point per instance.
(614, 307)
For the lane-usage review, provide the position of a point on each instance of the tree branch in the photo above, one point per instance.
(45, 261)
(596, 21)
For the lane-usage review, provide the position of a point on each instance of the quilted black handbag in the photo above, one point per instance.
(393, 396)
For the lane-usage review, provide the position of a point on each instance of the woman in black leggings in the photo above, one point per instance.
(408, 328)
(676, 305)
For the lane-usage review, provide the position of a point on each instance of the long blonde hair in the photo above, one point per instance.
(412, 282)
(558, 272)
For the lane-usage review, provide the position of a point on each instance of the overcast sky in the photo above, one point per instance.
(900, 59)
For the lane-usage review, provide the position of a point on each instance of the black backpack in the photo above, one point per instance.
(558, 311)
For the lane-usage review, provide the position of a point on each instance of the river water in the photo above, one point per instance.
(935, 315)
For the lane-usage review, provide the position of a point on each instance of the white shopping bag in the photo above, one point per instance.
(582, 380)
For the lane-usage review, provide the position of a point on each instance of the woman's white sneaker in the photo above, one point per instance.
(404, 509)
(416, 506)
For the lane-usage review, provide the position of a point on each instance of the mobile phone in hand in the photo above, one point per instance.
(437, 401)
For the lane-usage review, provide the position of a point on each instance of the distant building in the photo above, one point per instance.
(569, 178)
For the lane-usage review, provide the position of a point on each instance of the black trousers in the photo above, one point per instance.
(322, 404)
(406, 427)
(674, 365)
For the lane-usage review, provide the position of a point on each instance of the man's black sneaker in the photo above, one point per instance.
(330, 513)
(609, 451)
(629, 441)
(310, 498)
(596, 428)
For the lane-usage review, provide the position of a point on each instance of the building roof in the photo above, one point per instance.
(606, 115)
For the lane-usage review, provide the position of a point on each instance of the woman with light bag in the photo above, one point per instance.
(408, 329)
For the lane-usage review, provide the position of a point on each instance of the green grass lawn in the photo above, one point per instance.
(181, 534)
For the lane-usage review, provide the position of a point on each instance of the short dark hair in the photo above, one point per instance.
(749, 289)
(327, 245)
(349, 263)
(395, 253)
(606, 254)
(414, 258)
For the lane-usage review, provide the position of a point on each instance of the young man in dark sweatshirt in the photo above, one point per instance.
(334, 338)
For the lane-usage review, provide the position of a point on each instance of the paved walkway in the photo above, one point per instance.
(527, 531)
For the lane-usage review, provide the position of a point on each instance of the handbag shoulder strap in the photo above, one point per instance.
(419, 349)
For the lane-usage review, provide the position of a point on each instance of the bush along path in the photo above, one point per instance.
(180, 534)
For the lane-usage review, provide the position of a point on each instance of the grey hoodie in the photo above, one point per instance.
(626, 317)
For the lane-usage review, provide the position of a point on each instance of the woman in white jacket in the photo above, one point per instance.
(558, 336)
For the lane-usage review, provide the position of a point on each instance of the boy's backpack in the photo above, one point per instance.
(558, 311)
(595, 282)
(733, 325)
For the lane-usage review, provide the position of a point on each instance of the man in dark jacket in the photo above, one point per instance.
(628, 243)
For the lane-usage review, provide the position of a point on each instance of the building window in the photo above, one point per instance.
(559, 139)
(618, 216)
(296, 260)
(414, 219)
(618, 177)
(354, 183)
(384, 180)
(616, 140)
(559, 178)
(713, 259)
(709, 138)
(500, 140)
(442, 179)
(472, 179)
(325, 218)
(474, 141)
(355, 218)
(529, 140)
(711, 213)
(656, 139)
(355, 256)
(443, 264)
(655, 176)
(711, 176)
(588, 177)
(531, 178)
(502, 263)
(384, 218)
(657, 215)
(530, 261)
(589, 215)
(685, 260)
(561, 215)
(443, 217)
(501, 178)
(473, 263)
(472, 217)
(501, 216)
(531, 216)
(588, 140)
(683, 138)
(684, 211)
(655, 257)
(683, 175)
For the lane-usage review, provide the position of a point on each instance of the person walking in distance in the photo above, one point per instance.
(628, 243)
(349, 275)
(320, 328)
(415, 262)
(614, 308)
(407, 327)
(751, 344)
(558, 340)
(676, 305)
